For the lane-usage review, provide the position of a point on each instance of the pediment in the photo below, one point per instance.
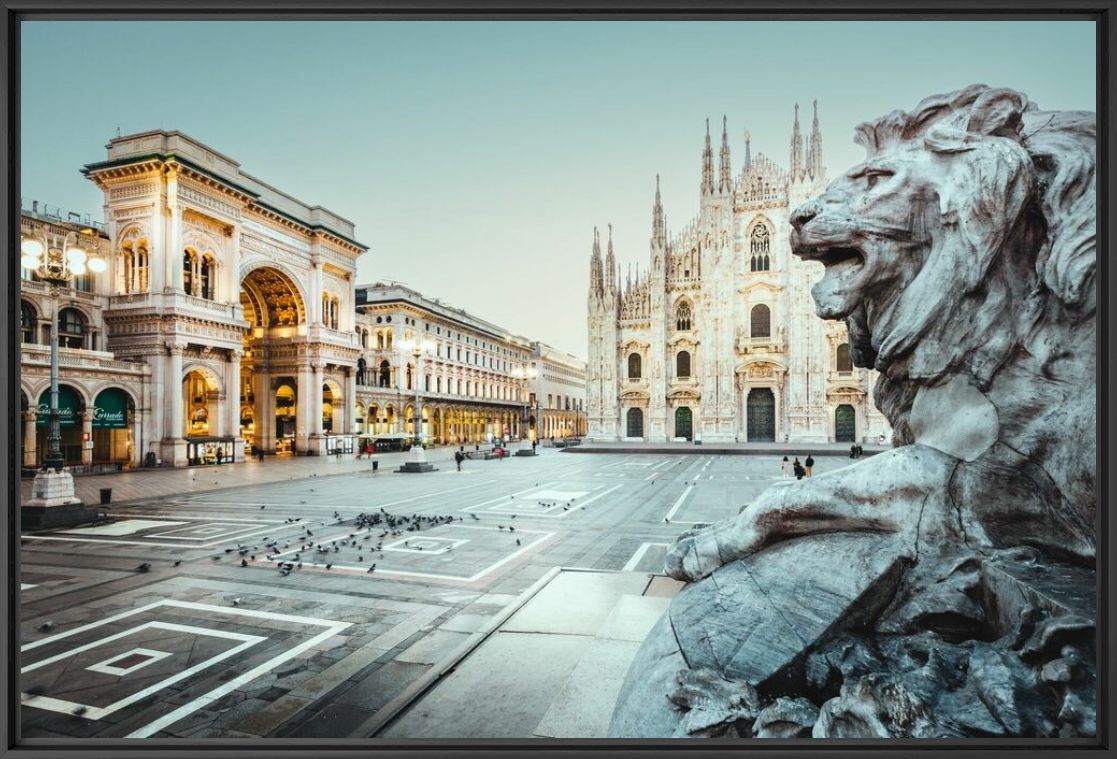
(761, 283)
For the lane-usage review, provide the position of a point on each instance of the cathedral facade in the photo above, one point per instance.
(717, 339)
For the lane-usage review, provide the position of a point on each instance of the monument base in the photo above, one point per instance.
(417, 461)
(53, 503)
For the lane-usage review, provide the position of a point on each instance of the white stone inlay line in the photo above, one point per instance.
(125, 527)
(636, 557)
(333, 628)
(679, 503)
(99, 712)
(27, 585)
(107, 667)
(558, 513)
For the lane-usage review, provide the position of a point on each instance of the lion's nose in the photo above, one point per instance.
(803, 214)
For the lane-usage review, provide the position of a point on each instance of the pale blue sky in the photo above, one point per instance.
(476, 157)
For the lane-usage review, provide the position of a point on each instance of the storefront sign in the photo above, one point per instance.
(111, 410)
(68, 405)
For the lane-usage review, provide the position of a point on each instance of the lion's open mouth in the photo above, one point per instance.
(831, 256)
(836, 293)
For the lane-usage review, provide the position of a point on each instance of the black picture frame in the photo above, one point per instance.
(1102, 12)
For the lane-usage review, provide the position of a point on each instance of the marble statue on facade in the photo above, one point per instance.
(945, 587)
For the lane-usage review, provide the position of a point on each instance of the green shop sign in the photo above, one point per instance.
(68, 405)
(110, 410)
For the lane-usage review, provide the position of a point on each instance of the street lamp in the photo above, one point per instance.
(57, 265)
(417, 462)
(525, 373)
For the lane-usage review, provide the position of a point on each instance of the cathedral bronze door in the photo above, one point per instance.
(845, 424)
(761, 415)
(634, 423)
(683, 422)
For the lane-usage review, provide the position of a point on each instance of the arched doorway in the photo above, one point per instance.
(113, 412)
(286, 413)
(274, 308)
(70, 408)
(200, 401)
(845, 424)
(331, 409)
(761, 415)
(683, 421)
(634, 423)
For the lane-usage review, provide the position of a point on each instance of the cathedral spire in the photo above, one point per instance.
(595, 264)
(725, 183)
(814, 153)
(748, 148)
(708, 165)
(610, 263)
(796, 148)
(659, 223)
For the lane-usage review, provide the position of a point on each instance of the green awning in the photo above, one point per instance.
(110, 410)
(68, 405)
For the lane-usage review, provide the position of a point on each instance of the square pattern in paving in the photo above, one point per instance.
(131, 659)
(167, 533)
(453, 552)
(543, 501)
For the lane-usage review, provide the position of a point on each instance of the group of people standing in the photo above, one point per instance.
(800, 470)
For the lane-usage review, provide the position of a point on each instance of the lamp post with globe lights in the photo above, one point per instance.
(524, 374)
(417, 462)
(57, 264)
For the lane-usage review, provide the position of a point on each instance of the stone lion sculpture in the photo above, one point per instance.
(962, 255)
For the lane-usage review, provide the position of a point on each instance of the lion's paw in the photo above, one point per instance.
(693, 556)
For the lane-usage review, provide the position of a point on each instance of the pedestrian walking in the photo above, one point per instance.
(860, 451)
(785, 467)
(798, 469)
(853, 451)
(458, 456)
(809, 464)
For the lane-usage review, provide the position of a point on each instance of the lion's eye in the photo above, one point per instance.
(871, 177)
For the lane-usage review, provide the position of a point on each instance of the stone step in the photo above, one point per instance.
(552, 668)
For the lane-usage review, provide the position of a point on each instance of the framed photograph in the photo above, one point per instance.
(422, 379)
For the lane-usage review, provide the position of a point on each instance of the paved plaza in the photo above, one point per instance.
(251, 602)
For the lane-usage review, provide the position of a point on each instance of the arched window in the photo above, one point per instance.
(759, 247)
(634, 366)
(760, 321)
(844, 360)
(27, 321)
(188, 272)
(206, 286)
(71, 328)
(682, 316)
(682, 364)
(133, 269)
(385, 374)
(379, 340)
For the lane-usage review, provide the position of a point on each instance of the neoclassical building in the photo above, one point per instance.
(475, 381)
(232, 300)
(717, 338)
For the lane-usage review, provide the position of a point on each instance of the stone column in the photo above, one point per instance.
(29, 452)
(350, 402)
(232, 396)
(175, 422)
(173, 252)
(87, 436)
(304, 427)
(316, 399)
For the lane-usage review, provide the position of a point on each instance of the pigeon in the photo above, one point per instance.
(284, 572)
(517, 541)
(328, 566)
(370, 569)
(665, 519)
(80, 710)
(178, 562)
(360, 558)
(143, 567)
(511, 528)
(45, 626)
(243, 563)
(263, 505)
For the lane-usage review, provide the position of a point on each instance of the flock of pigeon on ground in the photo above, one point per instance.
(320, 552)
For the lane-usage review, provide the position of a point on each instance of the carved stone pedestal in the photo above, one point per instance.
(417, 461)
(53, 503)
